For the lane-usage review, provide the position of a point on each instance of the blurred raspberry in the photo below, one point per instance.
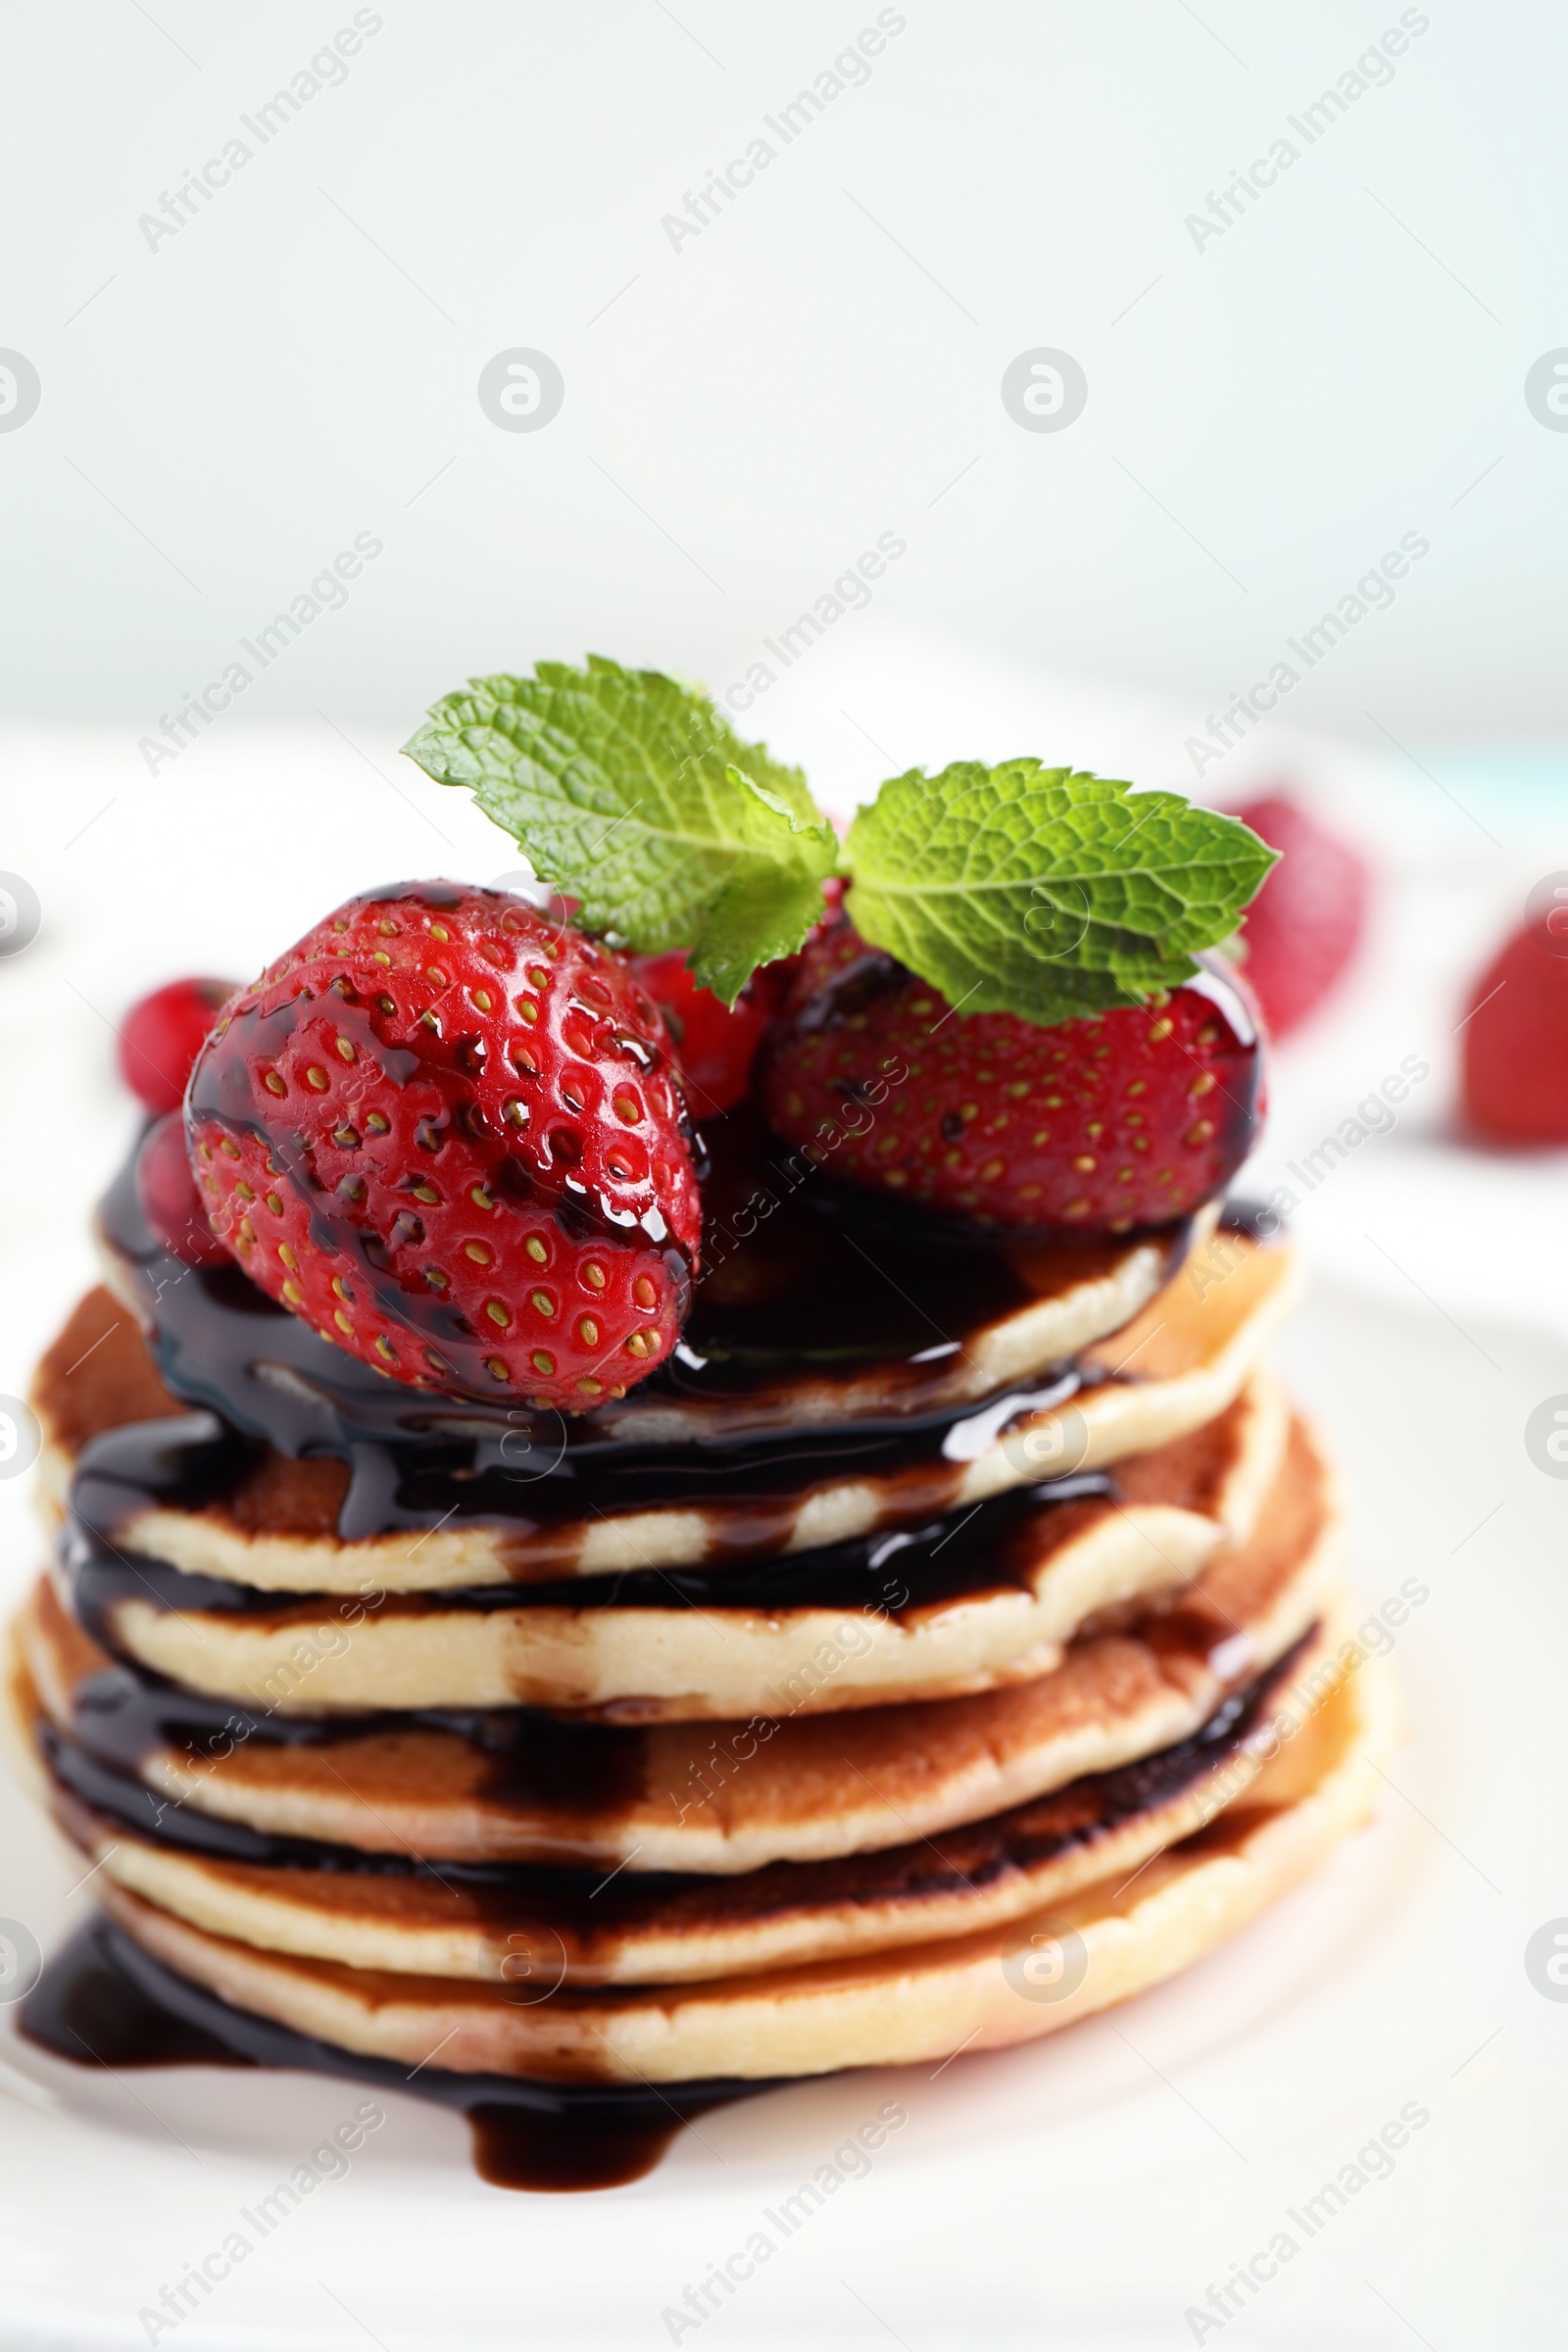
(162, 1035)
(1513, 1080)
(165, 1190)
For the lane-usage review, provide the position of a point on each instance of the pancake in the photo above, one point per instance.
(863, 1633)
(1003, 1984)
(193, 1493)
(576, 1928)
(726, 1798)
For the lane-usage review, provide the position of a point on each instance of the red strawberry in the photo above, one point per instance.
(442, 1129)
(1128, 1119)
(165, 1190)
(1304, 925)
(162, 1035)
(713, 1043)
(1514, 1043)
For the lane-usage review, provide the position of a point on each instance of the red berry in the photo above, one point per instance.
(713, 1043)
(165, 1190)
(1128, 1119)
(1306, 922)
(162, 1035)
(1514, 1043)
(443, 1130)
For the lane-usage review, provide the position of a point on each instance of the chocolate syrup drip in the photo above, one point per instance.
(586, 1911)
(103, 2001)
(756, 1484)
(1255, 1218)
(996, 1547)
(125, 1714)
(803, 1282)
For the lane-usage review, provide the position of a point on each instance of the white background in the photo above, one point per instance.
(749, 411)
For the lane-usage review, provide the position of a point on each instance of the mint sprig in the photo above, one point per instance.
(1045, 892)
(633, 795)
(1025, 889)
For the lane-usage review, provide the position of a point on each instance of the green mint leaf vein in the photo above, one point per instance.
(629, 792)
(1044, 892)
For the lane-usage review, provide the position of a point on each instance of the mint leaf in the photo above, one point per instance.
(761, 912)
(781, 807)
(1045, 892)
(628, 791)
(1020, 888)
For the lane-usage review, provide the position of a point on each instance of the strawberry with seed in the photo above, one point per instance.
(443, 1130)
(1131, 1117)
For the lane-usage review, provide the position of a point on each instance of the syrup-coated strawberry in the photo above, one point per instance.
(1128, 1119)
(1304, 925)
(444, 1130)
(1514, 1041)
(162, 1035)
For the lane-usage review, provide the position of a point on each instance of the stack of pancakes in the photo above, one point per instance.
(945, 1644)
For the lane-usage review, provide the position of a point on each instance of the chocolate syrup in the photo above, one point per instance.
(125, 1714)
(825, 1344)
(102, 2000)
(754, 1487)
(87, 2008)
(1255, 1218)
(996, 1547)
(804, 1288)
(589, 1913)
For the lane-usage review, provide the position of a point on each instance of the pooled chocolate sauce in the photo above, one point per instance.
(103, 2001)
(87, 2008)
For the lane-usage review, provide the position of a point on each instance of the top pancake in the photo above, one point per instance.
(266, 1520)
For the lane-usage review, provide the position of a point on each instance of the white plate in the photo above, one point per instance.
(1087, 2191)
